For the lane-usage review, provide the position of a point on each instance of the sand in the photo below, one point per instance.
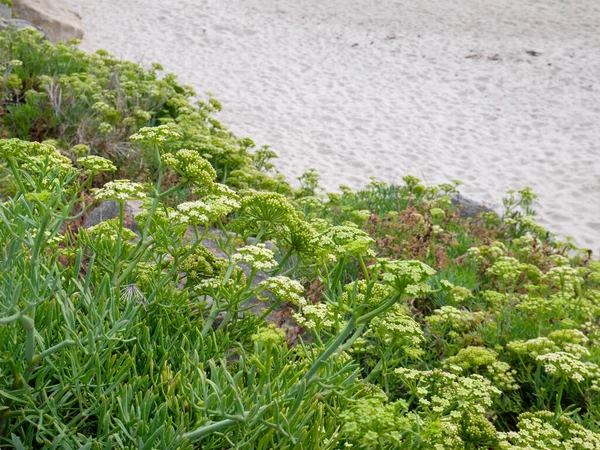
(496, 93)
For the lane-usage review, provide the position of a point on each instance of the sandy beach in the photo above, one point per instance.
(496, 93)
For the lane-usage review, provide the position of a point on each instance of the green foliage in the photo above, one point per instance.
(243, 314)
(58, 92)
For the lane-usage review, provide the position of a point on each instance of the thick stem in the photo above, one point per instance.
(285, 259)
(259, 235)
(333, 347)
(119, 242)
(381, 309)
(201, 432)
(210, 319)
(29, 326)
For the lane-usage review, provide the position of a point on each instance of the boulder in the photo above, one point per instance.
(110, 210)
(58, 23)
(468, 208)
(19, 24)
(5, 11)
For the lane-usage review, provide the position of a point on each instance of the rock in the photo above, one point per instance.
(5, 11)
(58, 23)
(110, 210)
(468, 208)
(19, 24)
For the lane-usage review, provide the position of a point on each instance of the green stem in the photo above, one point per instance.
(381, 309)
(10, 319)
(29, 326)
(333, 347)
(119, 242)
(170, 191)
(364, 268)
(285, 259)
(15, 171)
(205, 430)
(48, 352)
(259, 235)
(558, 407)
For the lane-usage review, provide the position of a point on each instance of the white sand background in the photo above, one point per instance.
(441, 89)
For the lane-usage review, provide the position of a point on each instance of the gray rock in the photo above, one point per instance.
(59, 23)
(110, 210)
(19, 24)
(5, 11)
(468, 208)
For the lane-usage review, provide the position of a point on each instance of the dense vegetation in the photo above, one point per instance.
(244, 313)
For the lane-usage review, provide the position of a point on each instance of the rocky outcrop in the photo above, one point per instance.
(5, 11)
(468, 208)
(18, 24)
(58, 23)
(110, 210)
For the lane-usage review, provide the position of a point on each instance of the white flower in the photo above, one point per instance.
(256, 256)
(120, 190)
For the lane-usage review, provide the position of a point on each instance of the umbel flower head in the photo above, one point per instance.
(109, 231)
(407, 276)
(120, 190)
(317, 316)
(256, 256)
(155, 135)
(33, 156)
(566, 365)
(265, 212)
(209, 209)
(349, 241)
(270, 336)
(192, 167)
(543, 430)
(97, 164)
(396, 327)
(285, 289)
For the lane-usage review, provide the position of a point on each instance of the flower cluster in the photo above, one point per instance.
(484, 360)
(566, 365)
(35, 157)
(310, 202)
(506, 268)
(316, 316)
(409, 277)
(299, 236)
(566, 278)
(208, 209)
(285, 289)
(96, 164)
(156, 135)
(371, 423)
(543, 430)
(120, 190)
(502, 376)
(533, 347)
(269, 336)
(257, 257)
(470, 358)
(459, 293)
(441, 392)
(459, 321)
(109, 231)
(266, 212)
(489, 252)
(201, 266)
(192, 167)
(396, 327)
(347, 240)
